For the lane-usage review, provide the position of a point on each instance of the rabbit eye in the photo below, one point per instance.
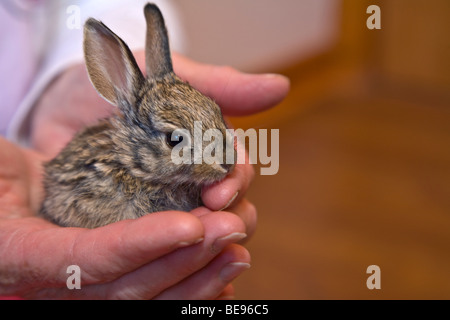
(173, 141)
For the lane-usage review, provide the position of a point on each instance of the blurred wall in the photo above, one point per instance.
(258, 35)
(414, 46)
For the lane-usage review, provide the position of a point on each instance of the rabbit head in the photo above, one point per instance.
(152, 108)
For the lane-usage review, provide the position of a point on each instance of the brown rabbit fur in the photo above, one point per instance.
(121, 168)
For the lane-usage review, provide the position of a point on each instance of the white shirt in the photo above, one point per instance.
(41, 38)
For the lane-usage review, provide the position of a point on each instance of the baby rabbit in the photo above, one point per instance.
(122, 167)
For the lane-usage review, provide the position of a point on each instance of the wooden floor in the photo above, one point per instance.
(364, 180)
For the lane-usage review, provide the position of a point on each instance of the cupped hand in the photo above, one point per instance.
(162, 255)
(176, 255)
(71, 102)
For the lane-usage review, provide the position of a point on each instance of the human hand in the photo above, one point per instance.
(54, 124)
(71, 102)
(163, 255)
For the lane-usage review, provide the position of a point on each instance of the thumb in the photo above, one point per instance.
(35, 254)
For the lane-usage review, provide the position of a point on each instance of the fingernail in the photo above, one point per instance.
(183, 244)
(220, 243)
(232, 270)
(230, 201)
(275, 75)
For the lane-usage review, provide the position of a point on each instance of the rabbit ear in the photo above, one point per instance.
(157, 53)
(110, 64)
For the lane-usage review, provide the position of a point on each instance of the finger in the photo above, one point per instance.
(245, 210)
(237, 93)
(232, 189)
(222, 195)
(227, 293)
(221, 229)
(103, 254)
(211, 281)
